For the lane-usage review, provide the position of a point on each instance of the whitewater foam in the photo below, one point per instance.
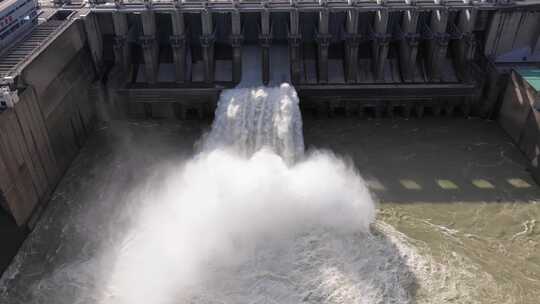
(251, 219)
(250, 119)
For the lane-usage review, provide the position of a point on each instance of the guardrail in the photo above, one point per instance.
(282, 5)
(8, 77)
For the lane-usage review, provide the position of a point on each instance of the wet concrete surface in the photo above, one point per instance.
(417, 164)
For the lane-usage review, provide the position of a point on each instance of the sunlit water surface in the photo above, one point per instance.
(470, 252)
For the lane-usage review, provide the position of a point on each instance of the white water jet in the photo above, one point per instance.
(220, 210)
(250, 219)
(252, 118)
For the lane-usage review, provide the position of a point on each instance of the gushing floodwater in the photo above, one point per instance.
(248, 120)
(254, 220)
(112, 232)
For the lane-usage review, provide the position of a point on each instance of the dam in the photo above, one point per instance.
(380, 151)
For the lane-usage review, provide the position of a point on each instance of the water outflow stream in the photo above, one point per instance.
(252, 116)
(251, 219)
(249, 119)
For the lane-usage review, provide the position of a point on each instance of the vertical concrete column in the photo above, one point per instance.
(178, 44)
(352, 41)
(536, 38)
(295, 39)
(149, 46)
(495, 83)
(408, 45)
(466, 46)
(122, 52)
(265, 40)
(494, 33)
(95, 40)
(381, 40)
(236, 43)
(207, 44)
(323, 43)
(438, 45)
(536, 47)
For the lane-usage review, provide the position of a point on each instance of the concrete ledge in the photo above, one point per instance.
(519, 115)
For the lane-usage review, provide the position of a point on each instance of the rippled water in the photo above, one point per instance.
(466, 245)
(484, 252)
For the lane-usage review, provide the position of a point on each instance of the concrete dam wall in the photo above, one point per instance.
(172, 60)
(42, 134)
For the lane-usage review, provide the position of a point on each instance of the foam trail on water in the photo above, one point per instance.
(223, 210)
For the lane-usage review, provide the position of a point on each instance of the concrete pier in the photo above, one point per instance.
(408, 44)
(380, 43)
(149, 46)
(323, 39)
(178, 44)
(295, 40)
(122, 49)
(352, 42)
(438, 45)
(265, 41)
(207, 44)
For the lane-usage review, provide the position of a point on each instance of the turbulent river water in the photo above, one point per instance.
(110, 235)
(250, 216)
(257, 221)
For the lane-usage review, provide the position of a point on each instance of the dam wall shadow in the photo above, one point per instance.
(430, 159)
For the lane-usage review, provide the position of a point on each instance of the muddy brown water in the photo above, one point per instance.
(454, 194)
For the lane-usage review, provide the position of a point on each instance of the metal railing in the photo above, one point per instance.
(279, 5)
(51, 29)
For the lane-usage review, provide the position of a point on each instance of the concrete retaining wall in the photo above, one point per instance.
(44, 132)
(521, 120)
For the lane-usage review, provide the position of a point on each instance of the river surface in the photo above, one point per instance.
(457, 212)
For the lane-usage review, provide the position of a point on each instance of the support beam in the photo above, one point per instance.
(122, 51)
(295, 40)
(408, 45)
(465, 48)
(95, 40)
(265, 40)
(236, 43)
(536, 48)
(149, 46)
(381, 41)
(352, 42)
(207, 44)
(535, 41)
(178, 44)
(438, 45)
(323, 43)
(494, 33)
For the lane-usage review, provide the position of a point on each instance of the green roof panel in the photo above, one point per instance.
(532, 76)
